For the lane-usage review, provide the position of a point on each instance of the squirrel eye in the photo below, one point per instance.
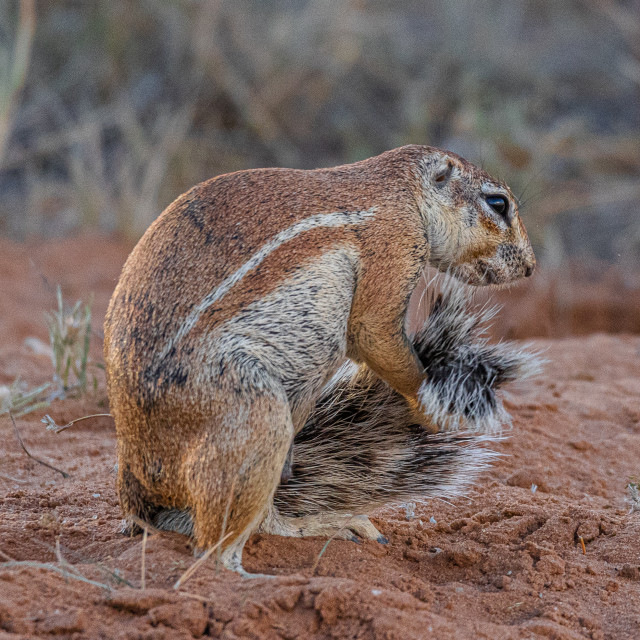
(499, 204)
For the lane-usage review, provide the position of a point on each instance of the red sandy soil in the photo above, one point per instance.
(504, 562)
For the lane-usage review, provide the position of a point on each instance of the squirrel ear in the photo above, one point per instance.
(443, 172)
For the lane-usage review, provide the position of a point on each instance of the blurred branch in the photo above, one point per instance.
(630, 67)
(170, 130)
(627, 22)
(246, 99)
(15, 72)
(571, 200)
(625, 19)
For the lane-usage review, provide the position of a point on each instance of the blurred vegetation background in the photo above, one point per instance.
(109, 110)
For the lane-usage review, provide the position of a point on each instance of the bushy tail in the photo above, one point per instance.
(362, 447)
(463, 371)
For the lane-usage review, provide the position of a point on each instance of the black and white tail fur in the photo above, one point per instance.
(463, 371)
(362, 446)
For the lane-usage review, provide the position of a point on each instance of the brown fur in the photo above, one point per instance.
(208, 386)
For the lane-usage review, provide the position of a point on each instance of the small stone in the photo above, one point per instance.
(588, 530)
(525, 478)
(287, 599)
(252, 610)
(190, 615)
(580, 445)
(412, 555)
(223, 614)
(463, 557)
(503, 582)
(630, 572)
(65, 622)
(139, 600)
(549, 629)
(551, 564)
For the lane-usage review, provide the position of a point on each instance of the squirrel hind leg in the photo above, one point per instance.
(232, 470)
(136, 505)
(326, 524)
(181, 521)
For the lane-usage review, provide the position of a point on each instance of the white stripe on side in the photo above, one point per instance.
(321, 220)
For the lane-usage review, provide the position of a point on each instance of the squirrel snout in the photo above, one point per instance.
(529, 260)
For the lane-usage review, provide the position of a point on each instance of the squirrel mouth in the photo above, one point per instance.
(478, 274)
(482, 273)
(487, 274)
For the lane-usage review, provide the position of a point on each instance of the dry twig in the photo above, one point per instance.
(199, 562)
(52, 567)
(80, 558)
(42, 462)
(143, 524)
(326, 544)
(224, 523)
(51, 425)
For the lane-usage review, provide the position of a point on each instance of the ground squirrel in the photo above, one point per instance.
(245, 297)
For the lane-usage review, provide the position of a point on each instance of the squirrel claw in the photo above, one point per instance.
(245, 574)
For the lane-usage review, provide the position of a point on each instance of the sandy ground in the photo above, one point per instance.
(505, 562)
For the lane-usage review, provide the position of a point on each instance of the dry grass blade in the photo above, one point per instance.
(63, 563)
(20, 401)
(51, 425)
(143, 564)
(70, 337)
(224, 521)
(145, 526)
(4, 476)
(52, 567)
(326, 545)
(634, 496)
(15, 74)
(64, 474)
(82, 559)
(194, 596)
(200, 561)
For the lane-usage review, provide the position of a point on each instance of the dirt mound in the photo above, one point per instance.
(505, 562)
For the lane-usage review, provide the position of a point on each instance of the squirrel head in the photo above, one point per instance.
(472, 221)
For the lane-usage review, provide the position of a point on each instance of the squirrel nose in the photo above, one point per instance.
(529, 270)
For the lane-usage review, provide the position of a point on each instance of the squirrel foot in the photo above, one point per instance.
(231, 558)
(338, 525)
